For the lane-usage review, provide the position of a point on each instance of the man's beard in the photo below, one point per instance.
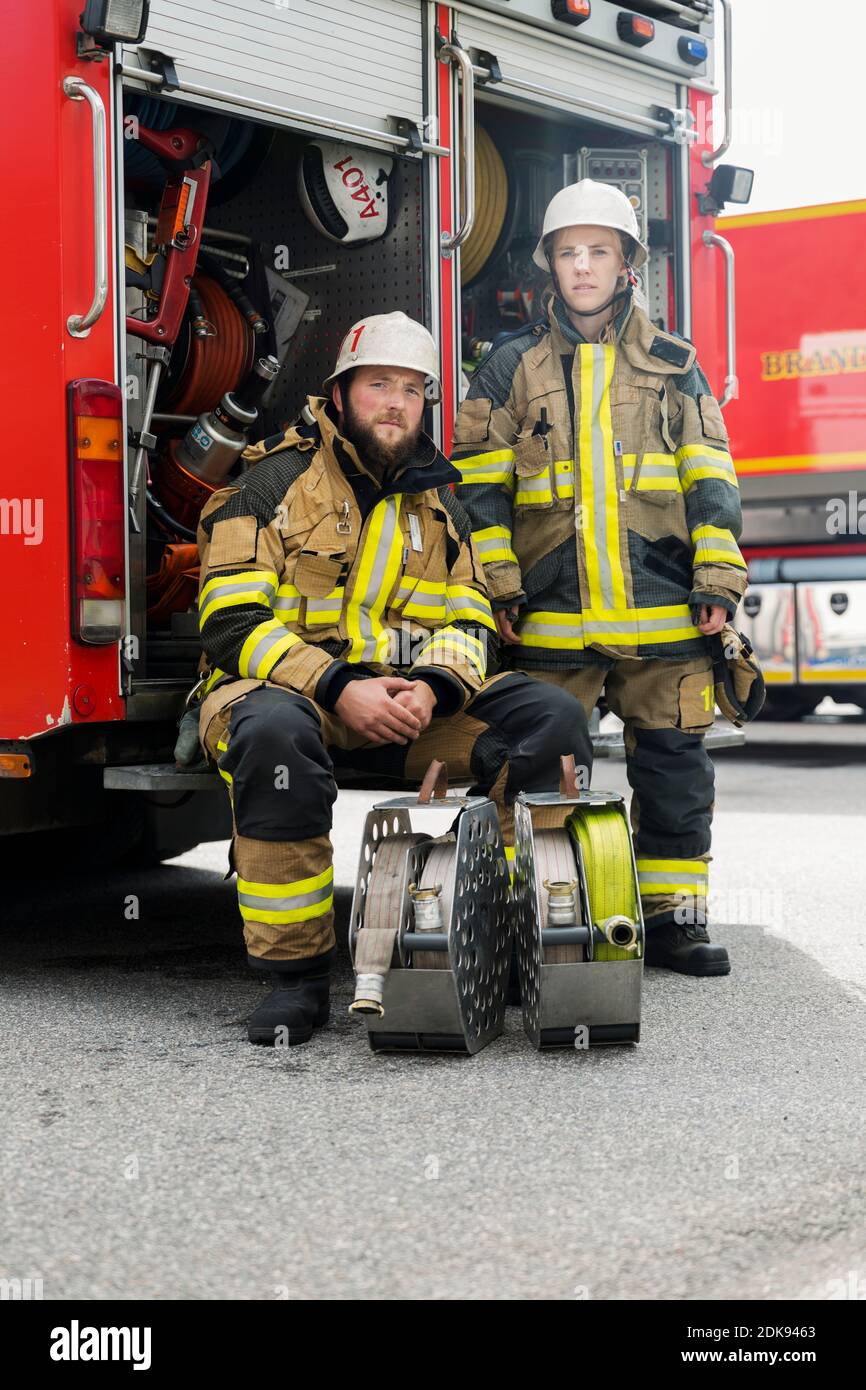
(384, 457)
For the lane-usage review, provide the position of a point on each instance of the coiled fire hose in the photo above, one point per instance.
(218, 361)
(605, 843)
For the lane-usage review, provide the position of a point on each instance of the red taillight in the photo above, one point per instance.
(98, 510)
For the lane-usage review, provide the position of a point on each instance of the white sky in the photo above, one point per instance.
(799, 92)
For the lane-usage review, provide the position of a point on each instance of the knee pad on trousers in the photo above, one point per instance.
(282, 778)
(534, 724)
(673, 779)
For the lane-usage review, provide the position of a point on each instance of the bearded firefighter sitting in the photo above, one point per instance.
(345, 622)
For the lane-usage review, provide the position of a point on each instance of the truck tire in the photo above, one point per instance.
(788, 705)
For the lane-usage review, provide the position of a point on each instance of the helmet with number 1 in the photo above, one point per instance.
(344, 190)
(389, 340)
(590, 204)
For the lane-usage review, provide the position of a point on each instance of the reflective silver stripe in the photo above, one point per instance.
(222, 588)
(502, 469)
(656, 470)
(478, 604)
(419, 599)
(599, 479)
(708, 461)
(262, 647)
(602, 626)
(290, 904)
(494, 543)
(367, 626)
(564, 629)
(540, 483)
(716, 543)
(330, 604)
(648, 880)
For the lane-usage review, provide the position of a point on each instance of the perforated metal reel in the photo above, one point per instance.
(580, 981)
(439, 984)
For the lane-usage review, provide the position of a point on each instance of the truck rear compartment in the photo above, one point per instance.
(255, 219)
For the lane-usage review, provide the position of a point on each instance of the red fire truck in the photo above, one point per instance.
(201, 195)
(798, 434)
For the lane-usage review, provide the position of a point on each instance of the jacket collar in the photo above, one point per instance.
(427, 469)
(633, 332)
(564, 329)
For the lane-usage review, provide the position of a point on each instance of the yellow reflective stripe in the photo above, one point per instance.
(468, 604)
(697, 461)
(266, 645)
(563, 472)
(264, 578)
(211, 681)
(669, 888)
(707, 451)
(535, 490)
(287, 603)
(716, 544)
(450, 642)
(494, 543)
(325, 610)
(376, 576)
(279, 903)
(497, 466)
(491, 456)
(618, 627)
(230, 591)
(658, 473)
(222, 747)
(599, 491)
(424, 598)
(667, 866)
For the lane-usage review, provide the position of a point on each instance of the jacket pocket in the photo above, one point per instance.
(532, 467)
(696, 702)
(712, 422)
(232, 542)
(654, 515)
(317, 574)
(472, 425)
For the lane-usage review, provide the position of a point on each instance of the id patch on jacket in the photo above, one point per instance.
(675, 353)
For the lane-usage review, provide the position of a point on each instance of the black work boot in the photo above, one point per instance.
(299, 1002)
(687, 949)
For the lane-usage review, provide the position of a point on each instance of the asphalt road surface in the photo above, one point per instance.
(150, 1152)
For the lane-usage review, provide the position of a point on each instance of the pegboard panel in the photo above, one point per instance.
(376, 277)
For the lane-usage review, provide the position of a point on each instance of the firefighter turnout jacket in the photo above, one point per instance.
(312, 575)
(603, 498)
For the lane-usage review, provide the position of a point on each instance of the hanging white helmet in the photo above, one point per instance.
(344, 190)
(389, 340)
(590, 204)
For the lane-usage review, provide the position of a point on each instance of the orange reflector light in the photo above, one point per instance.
(634, 30)
(15, 765)
(97, 437)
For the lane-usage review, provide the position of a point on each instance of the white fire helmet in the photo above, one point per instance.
(390, 340)
(344, 190)
(590, 204)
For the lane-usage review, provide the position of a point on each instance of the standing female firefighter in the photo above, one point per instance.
(605, 506)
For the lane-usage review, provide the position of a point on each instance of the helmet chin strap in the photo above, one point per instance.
(591, 313)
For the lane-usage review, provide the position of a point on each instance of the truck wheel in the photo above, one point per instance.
(790, 704)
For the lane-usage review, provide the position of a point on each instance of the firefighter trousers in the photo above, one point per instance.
(666, 708)
(278, 751)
